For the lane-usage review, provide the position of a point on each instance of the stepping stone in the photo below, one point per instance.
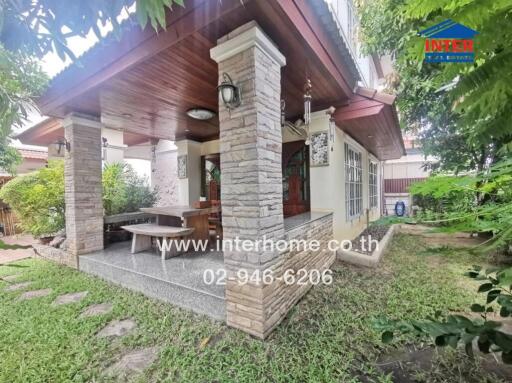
(98, 309)
(134, 362)
(117, 328)
(69, 298)
(35, 294)
(11, 278)
(18, 286)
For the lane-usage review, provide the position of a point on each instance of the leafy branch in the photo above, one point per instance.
(454, 330)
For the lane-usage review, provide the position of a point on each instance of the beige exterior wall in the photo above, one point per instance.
(164, 175)
(189, 189)
(327, 183)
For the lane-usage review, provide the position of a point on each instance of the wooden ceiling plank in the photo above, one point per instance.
(183, 23)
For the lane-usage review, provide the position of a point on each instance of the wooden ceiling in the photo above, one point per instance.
(145, 83)
(152, 97)
(370, 118)
(51, 130)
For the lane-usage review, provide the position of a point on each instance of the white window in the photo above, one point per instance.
(353, 183)
(372, 184)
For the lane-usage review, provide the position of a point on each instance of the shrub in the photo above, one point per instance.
(440, 194)
(37, 199)
(480, 203)
(124, 191)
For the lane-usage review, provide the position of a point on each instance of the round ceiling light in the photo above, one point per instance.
(200, 113)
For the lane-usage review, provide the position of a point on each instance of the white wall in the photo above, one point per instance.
(114, 153)
(190, 187)
(327, 183)
(164, 177)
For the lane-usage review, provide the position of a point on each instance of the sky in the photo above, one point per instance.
(52, 63)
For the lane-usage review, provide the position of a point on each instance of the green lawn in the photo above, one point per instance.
(327, 337)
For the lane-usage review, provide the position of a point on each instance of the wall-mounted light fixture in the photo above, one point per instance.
(229, 93)
(200, 113)
(60, 144)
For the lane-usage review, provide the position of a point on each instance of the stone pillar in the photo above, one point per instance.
(251, 180)
(83, 188)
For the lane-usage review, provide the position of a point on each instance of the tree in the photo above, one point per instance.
(466, 127)
(21, 79)
(29, 29)
(9, 159)
(37, 198)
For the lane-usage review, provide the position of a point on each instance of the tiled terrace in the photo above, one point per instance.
(178, 280)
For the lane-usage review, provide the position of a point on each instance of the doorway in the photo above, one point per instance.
(296, 197)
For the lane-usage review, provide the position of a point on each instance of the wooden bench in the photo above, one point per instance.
(143, 232)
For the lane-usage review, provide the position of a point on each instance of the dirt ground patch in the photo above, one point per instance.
(413, 365)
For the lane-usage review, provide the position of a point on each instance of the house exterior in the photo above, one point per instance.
(275, 181)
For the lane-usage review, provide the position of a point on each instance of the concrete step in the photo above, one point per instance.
(178, 280)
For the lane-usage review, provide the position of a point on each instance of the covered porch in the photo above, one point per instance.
(178, 280)
(146, 86)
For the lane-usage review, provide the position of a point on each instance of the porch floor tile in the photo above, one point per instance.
(179, 280)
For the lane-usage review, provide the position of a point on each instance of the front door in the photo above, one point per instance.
(295, 178)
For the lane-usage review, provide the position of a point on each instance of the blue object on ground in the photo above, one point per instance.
(400, 208)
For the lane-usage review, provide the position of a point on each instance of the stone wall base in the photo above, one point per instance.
(431, 237)
(56, 255)
(258, 308)
(368, 260)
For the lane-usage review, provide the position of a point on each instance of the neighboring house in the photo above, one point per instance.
(399, 174)
(275, 180)
(32, 159)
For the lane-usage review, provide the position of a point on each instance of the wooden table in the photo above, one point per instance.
(184, 216)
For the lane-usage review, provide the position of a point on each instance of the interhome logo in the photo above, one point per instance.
(449, 42)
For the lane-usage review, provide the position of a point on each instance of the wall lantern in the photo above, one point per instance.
(229, 93)
(60, 144)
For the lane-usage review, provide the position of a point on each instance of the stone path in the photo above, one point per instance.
(69, 298)
(134, 362)
(131, 363)
(97, 309)
(7, 256)
(18, 286)
(117, 328)
(11, 278)
(34, 294)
